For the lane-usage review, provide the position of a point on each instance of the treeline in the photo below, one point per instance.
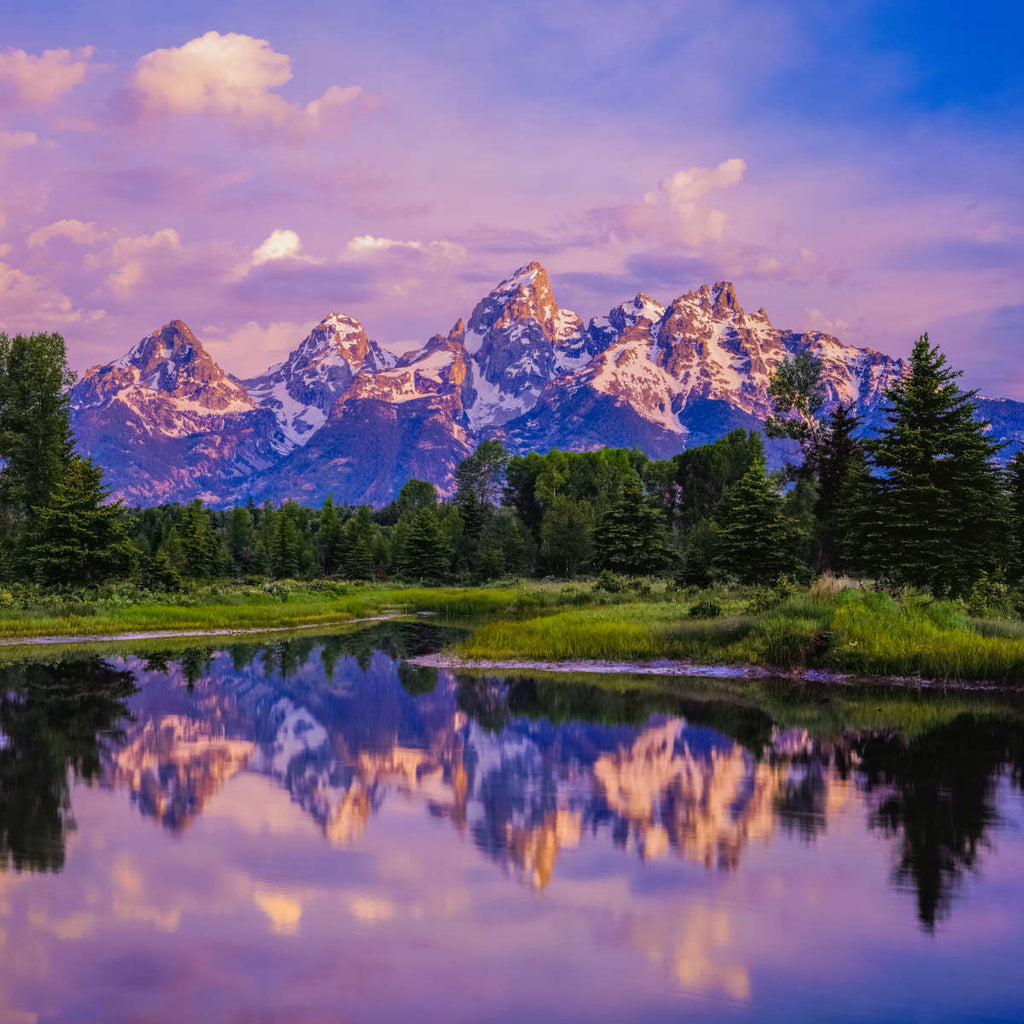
(924, 502)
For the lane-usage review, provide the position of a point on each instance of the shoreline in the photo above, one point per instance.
(668, 667)
(171, 634)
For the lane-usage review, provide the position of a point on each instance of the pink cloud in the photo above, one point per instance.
(231, 76)
(30, 303)
(39, 81)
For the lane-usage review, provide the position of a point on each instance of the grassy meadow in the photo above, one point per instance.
(828, 626)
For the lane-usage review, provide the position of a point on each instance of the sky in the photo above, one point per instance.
(250, 167)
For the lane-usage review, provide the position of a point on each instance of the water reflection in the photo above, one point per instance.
(572, 790)
(56, 721)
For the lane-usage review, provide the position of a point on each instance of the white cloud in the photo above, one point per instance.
(677, 212)
(364, 246)
(281, 244)
(816, 320)
(232, 76)
(40, 81)
(78, 231)
(684, 193)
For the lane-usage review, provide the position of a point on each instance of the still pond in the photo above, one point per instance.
(316, 830)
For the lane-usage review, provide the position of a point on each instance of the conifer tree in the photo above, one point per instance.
(423, 557)
(35, 431)
(75, 537)
(193, 548)
(1015, 561)
(837, 459)
(632, 535)
(359, 545)
(757, 541)
(941, 495)
(240, 537)
(329, 538)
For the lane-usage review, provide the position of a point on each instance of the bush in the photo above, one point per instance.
(706, 608)
(762, 599)
(992, 598)
(610, 582)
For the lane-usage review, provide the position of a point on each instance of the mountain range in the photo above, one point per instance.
(344, 416)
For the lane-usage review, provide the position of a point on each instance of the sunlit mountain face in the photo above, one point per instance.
(226, 825)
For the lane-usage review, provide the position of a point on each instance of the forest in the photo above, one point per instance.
(890, 552)
(927, 502)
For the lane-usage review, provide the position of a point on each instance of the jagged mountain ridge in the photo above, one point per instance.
(342, 415)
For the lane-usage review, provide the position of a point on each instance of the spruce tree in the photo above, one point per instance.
(632, 535)
(941, 495)
(240, 537)
(757, 542)
(423, 557)
(836, 457)
(329, 538)
(193, 548)
(359, 545)
(75, 537)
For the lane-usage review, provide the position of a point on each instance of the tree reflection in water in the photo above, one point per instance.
(56, 718)
(531, 766)
(935, 795)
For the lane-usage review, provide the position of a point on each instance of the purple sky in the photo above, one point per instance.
(250, 167)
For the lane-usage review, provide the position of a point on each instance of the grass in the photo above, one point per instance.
(848, 630)
(247, 608)
(854, 632)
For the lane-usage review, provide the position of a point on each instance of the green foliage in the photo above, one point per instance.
(705, 608)
(632, 537)
(35, 435)
(75, 536)
(423, 557)
(610, 582)
(757, 540)
(797, 397)
(705, 473)
(944, 517)
(567, 534)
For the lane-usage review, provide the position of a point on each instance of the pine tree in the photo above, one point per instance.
(423, 557)
(632, 536)
(941, 495)
(240, 537)
(837, 459)
(329, 538)
(359, 544)
(35, 433)
(75, 537)
(193, 548)
(288, 543)
(757, 541)
(1015, 560)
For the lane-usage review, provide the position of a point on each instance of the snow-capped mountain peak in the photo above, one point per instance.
(302, 390)
(341, 415)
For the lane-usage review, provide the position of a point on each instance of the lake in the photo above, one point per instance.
(315, 830)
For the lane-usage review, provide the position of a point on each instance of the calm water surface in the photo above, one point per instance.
(315, 831)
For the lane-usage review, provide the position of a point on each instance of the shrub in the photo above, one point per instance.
(992, 598)
(610, 582)
(706, 608)
(762, 599)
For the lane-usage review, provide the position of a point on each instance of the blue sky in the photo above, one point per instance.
(852, 167)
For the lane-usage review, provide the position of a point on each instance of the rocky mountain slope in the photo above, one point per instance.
(342, 415)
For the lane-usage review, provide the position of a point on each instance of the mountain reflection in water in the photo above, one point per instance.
(636, 811)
